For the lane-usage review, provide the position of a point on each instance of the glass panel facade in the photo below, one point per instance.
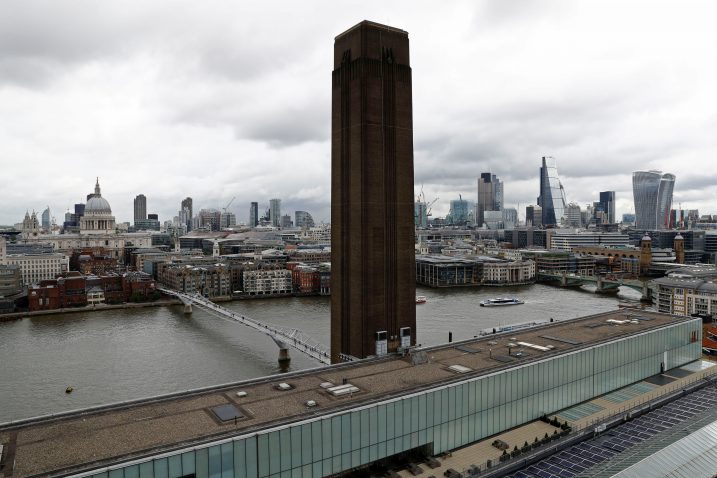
(446, 418)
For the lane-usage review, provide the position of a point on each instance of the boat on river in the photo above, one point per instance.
(500, 301)
(421, 299)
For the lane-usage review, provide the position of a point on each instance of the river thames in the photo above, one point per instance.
(118, 355)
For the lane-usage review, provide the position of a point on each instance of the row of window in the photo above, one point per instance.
(445, 419)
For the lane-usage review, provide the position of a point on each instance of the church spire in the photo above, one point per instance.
(97, 187)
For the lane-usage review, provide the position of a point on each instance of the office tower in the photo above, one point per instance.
(46, 219)
(552, 193)
(534, 216)
(187, 206)
(664, 201)
(140, 208)
(303, 219)
(607, 206)
(420, 214)
(652, 192)
(510, 217)
(373, 309)
(253, 214)
(210, 219)
(228, 219)
(275, 212)
(458, 213)
(286, 221)
(573, 215)
(490, 196)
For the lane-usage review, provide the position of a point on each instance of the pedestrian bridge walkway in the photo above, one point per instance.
(284, 337)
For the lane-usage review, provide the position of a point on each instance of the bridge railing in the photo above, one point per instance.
(282, 336)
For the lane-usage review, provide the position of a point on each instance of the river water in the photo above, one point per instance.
(118, 355)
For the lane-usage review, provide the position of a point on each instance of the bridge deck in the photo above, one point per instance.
(81, 441)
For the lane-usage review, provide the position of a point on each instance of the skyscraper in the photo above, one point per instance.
(253, 214)
(490, 196)
(458, 212)
(552, 193)
(373, 294)
(607, 204)
(664, 200)
(275, 212)
(187, 205)
(303, 219)
(652, 192)
(140, 208)
(46, 219)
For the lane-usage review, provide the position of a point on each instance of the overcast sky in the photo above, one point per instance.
(216, 99)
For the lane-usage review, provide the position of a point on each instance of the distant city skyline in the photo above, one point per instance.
(192, 108)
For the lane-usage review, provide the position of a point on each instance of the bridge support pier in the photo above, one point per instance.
(188, 308)
(284, 357)
(564, 280)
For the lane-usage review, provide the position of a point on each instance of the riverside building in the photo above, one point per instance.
(301, 423)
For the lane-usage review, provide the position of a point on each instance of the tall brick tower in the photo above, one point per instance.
(373, 277)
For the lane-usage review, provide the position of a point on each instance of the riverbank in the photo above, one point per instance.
(90, 308)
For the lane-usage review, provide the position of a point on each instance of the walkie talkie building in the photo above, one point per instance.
(652, 191)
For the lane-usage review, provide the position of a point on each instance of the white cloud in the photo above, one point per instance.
(220, 99)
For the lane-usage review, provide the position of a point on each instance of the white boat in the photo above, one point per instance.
(500, 301)
(421, 299)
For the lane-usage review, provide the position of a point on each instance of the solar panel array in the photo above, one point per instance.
(579, 458)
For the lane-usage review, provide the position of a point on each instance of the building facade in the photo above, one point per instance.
(253, 214)
(685, 296)
(373, 285)
(652, 192)
(275, 212)
(187, 208)
(434, 420)
(37, 267)
(552, 194)
(569, 240)
(209, 280)
(97, 218)
(46, 220)
(303, 219)
(490, 196)
(607, 206)
(140, 208)
(267, 282)
(508, 273)
(10, 280)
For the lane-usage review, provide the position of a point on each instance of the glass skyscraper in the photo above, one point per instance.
(552, 193)
(490, 196)
(607, 206)
(652, 191)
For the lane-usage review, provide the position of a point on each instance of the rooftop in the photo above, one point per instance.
(87, 439)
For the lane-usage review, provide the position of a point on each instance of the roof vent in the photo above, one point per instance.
(459, 369)
(326, 385)
(341, 390)
(284, 386)
(311, 403)
(241, 394)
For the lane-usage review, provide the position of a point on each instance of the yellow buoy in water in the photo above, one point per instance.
(69, 390)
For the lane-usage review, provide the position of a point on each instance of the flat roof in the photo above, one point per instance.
(84, 440)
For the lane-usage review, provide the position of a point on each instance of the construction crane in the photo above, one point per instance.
(422, 198)
(428, 206)
(227, 206)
